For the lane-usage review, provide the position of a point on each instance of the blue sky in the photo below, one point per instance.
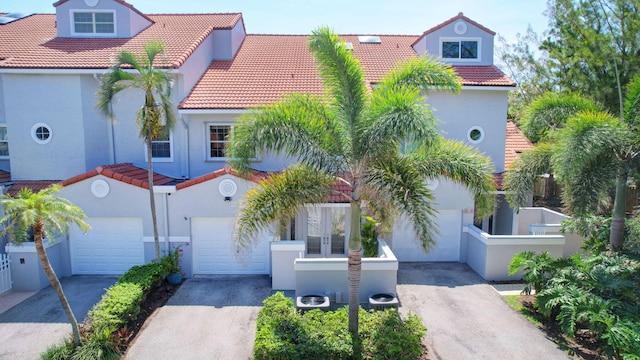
(506, 17)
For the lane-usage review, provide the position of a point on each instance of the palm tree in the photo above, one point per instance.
(587, 151)
(354, 137)
(48, 216)
(155, 119)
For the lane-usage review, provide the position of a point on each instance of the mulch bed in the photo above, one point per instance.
(583, 346)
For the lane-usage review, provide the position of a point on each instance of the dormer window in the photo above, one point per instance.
(93, 23)
(461, 49)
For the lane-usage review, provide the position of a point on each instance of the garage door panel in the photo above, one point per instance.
(112, 246)
(406, 247)
(215, 252)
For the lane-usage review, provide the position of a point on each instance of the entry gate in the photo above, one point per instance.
(5, 273)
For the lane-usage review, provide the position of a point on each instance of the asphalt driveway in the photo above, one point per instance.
(214, 317)
(466, 318)
(29, 328)
(209, 317)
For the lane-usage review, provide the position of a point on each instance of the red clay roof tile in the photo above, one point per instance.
(269, 66)
(34, 185)
(31, 42)
(125, 172)
(5, 176)
(516, 142)
(256, 176)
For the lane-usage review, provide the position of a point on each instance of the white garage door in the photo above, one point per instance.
(112, 246)
(214, 251)
(447, 243)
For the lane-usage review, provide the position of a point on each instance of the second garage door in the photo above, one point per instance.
(447, 242)
(214, 250)
(112, 246)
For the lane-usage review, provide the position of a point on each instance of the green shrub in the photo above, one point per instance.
(59, 351)
(147, 276)
(388, 337)
(598, 293)
(97, 347)
(285, 333)
(118, 306)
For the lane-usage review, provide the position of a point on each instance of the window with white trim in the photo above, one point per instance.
(218, 138)
(462, 49)
(475, 134)
(162, 148)
(41, 133)
(4, 142)
(91, 22)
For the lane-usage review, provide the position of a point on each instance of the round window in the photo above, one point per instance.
(41, 133)
(475, 134)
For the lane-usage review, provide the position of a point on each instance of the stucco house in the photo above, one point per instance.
(51, 132)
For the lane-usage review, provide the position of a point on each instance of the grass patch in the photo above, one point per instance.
(524, 305)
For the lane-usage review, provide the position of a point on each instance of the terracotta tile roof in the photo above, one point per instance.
(483, 76)
(256, 176)
(34, 185)
(516, 142)
(31, 42)
(5, 176)
(270, 66)
(460, 16)
(125, 172)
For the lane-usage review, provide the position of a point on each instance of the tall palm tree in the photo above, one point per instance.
(155, 118)
(354, 137)
(48, 216)
(590, 151)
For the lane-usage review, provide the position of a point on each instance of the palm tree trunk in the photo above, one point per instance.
(38, 231)
(616, 237)
(152, 198)
(354, 265)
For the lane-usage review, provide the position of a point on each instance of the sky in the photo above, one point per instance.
(406, 17)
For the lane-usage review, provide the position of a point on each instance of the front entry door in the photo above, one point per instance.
(327, 231)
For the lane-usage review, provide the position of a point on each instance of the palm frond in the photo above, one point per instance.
(396, 116)
(524, 172)
(300, 126)
(461, 164)
(426, 73)
(280, 196)
(23, 211)
(551, 111)
(342, 75)
(398, 182)
(585, 159)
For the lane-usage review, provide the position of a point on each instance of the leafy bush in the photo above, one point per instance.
(597, 293)
(285, 333)
(146, 276)
(59, 351)
(118, 306)
(171, 262)
(96, 347)
(369, 237)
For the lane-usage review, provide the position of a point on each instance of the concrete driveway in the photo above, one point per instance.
(29, 328)
(209, 317)
(466, 318)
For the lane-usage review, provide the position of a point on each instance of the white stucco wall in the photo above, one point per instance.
(60, 102)
(484, 108)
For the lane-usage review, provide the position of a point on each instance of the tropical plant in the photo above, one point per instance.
(171, 262)
(49, 217)
(155, 119)
(354, 136)
(587, 151)
(594, 293)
